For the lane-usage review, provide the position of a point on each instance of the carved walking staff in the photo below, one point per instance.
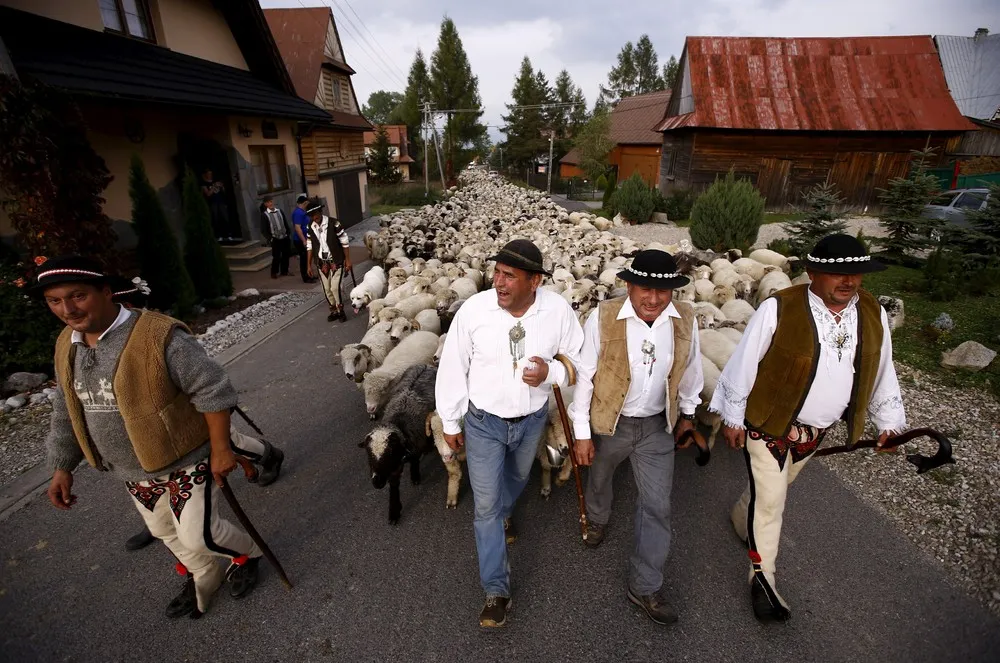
(241, 515)
(923, 463)
(568, 430)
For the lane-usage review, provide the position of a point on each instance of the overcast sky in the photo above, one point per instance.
(584, 36)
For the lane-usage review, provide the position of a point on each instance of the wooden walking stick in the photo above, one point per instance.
(241, 515)
(568, 430)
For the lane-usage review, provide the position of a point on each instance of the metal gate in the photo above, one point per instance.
(347, 189)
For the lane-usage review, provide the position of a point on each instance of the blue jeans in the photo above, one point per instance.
(499, 456)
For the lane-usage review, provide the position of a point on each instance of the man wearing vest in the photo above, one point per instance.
(328, 243)
(810, 356)
(138, 397)
(495, 368)
(639, 379)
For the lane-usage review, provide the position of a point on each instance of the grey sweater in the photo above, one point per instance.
(191, 370)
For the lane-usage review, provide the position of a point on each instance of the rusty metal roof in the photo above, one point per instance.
(300, 34)
(634, 119)
(814, 84)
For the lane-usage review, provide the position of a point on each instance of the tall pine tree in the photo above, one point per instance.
(637, 72)
(647, 67)
(453, 86)
(670, 70)
(408, 112)
(567, 120)
(382, 170)
(525, 127)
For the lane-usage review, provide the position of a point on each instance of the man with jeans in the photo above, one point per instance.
(300, 227)
(495, 368)
(640, 371)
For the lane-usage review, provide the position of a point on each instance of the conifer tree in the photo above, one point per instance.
(408, 112)
(727, 215)
(594, 143)
(382, 171)
(820, 219)
(202, 254)
(381, 106)
(670, 71)
(160, 262)
(904, 200)
(525, 127)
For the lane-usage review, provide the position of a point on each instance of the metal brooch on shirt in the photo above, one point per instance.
(648, 355)
(839, 338)
(516, 335)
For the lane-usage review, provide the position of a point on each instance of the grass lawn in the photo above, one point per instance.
(781, 217)
(976, 319)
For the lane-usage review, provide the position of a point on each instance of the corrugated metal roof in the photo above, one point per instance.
(818, 84)
(634, 119)
(972, 69)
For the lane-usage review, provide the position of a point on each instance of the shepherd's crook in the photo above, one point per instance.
(248, 526)
(923, 463)
(568, 430)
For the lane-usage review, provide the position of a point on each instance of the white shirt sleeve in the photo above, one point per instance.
(693, 380)
(309, 241)
(886, 405)
(579, 410)
(740, 373)
(451, 389)
(570, 341)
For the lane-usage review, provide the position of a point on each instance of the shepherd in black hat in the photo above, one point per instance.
(638, 414)
(810, 356)
(496, 362)
(138, 397)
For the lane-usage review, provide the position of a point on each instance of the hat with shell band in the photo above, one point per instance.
(841, 254)
(67, 269)
(653, 268)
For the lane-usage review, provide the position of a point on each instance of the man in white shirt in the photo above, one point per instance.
(810, 356)
(640, 372)
(328, 243)
(494, 375)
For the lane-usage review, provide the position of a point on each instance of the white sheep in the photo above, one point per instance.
(372, 287)
(708, 315)
(802, 279)
(686, 293)
(770, 284)
(440, 348)
(427, 320)
(738, 310)
(769, 257)
(400, 329)
(704, 289)
(720, 264)
(464, 287)
(722, 294)
(716, 346)
(752, 268)
(357, 359)
(417, 348)
(414, 304)
(731, 333)
(394, 296)
(711, 375)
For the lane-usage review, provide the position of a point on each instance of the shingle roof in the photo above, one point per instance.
(572, 157)
(301, 37)
(972, 69)
(821, 84)
(634, 119)
(397, 134)
(105, 65)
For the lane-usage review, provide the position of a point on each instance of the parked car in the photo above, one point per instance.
(953, 206)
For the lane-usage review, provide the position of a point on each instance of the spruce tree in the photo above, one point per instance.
(381, 106)
(202, 254)
(567, 120)
(647, 67)
(904, 200)
(728, 215)
(820, 219)
(621, 78)
(524, 127)
(981, 241)
(160, 260)
(382, 171)
(670, 71)
(409, 111)
(594, 143)
(634, 200)
(453, 87)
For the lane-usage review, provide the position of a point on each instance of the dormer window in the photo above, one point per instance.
(127, 17)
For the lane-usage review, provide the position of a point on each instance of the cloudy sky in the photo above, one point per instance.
(584, 37)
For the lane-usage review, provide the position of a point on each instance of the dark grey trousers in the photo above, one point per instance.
(646, 442)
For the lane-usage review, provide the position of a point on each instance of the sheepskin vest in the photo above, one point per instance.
(161, 422)
(614, 375)
(785, 374)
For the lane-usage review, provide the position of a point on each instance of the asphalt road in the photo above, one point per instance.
(367, 591)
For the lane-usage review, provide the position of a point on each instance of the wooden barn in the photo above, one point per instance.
(790, 113)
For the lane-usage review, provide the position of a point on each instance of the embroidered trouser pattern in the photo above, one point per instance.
(757, 515)
(330, 274)
(179, 509)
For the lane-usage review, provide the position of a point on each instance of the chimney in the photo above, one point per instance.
(980, 32)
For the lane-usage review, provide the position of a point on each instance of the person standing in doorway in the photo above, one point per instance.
(328, 244)
(274, 227)
(226, 232)
(300, 228)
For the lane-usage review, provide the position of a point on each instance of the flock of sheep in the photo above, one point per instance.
(430, 260)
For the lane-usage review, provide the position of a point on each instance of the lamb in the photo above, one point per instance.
(402, 435)
(417, 348)
(397, 295)
(414, 304)
(716, 346)
(368, 354)
(738, 311)
(769, 257)
(374, 308)
(427, 320)
(770, 284)
(372, 287)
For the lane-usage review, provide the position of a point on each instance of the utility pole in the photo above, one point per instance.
(423, 130)
(552, 135)
(501, 159)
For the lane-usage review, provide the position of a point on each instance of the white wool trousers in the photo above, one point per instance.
(179, 509)
(330, 275)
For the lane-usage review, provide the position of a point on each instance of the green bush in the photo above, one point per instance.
(903, 201)
(780, 246)
(202, 254)
(678, 204)
(405, 195)
(659, 203)
(634, 200)
(28, 330)
(727, 215)
(160, 260)
(602, 182)
(609, 191)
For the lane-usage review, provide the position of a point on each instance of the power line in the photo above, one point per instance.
(362, 42)
(377, 43)
(363, 68)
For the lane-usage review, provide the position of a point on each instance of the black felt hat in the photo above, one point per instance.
(841, 254)
(67, 269)
(522, 254)
(653, 268)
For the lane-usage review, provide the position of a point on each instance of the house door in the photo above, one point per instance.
(347, 190)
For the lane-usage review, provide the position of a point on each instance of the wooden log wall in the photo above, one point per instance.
(328, 150)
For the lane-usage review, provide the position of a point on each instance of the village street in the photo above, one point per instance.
(368, 591)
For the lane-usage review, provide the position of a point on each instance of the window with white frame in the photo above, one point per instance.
(128, 17)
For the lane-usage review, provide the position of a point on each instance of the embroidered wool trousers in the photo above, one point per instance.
(330, 274)
(179, 508)
(499, 456)
(650, 450)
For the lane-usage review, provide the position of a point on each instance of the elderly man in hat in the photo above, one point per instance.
(327, 243)
(138, 397)
(638, 386)
(810, 356)
(495, 368)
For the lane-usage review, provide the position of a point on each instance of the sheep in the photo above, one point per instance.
(388, 314)
(720, 264)
(368, 354)
(449, 315)
(440, 348)
(769, 257)
(802, 279)
(686, 293)
(414, 304)
(563, 277)
(397, 295)
(420, 285)
(738, 310)
(609, 277)
(476, 277)
(372, 287)
(716, 346)
(726, 276)
(427, 320)
(464, 287)
(400, 329)
(702, 272)
(731, 333)
(452, 460)
(708, 315)
(374, 308)
(417, 348)
(711, 374)
(579, 295)
(770, 284)
(722, 294)
(401, 437)
(704, 290)
(752, 268)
